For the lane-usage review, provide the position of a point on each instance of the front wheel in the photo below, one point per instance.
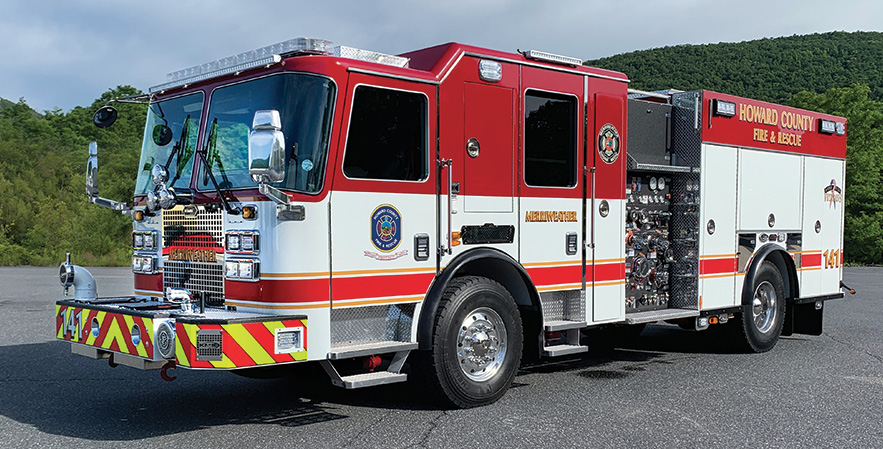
(763, 318)
(476, 343)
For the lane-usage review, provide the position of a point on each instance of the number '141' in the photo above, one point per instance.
(832, 258)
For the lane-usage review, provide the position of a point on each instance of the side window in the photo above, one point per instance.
(387, 135)
(550, 139)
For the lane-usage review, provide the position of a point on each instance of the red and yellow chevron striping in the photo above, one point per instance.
(114, 330)
(243, 344)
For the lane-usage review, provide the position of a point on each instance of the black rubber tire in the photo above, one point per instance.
(439, 367)
(753, 339)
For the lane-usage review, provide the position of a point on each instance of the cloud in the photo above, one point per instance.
(67, 53)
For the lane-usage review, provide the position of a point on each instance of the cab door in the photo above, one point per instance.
(383, 204)
(551, 188)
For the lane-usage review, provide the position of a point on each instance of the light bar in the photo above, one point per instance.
(343, 51)
(268, 55)
(551, 57)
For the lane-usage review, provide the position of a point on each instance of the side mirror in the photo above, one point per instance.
(92, 170)
(266, 148)
(104, 117)
(162, 135)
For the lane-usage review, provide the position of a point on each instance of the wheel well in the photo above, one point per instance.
(489, 263)
(783, 262)
(785, 265)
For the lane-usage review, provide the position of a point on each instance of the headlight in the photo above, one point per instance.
(144, 264)
(247, 242)
(149, 241)
(144, 240)
(243, 242)
(232, 242)
(242, 269)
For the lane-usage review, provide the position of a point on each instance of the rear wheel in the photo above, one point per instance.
(476, 343)
(762, 319)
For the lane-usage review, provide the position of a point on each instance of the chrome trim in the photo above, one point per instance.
(390, 75)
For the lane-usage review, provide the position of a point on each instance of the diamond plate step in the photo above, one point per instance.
(563, 325)
(370, 379)
(559, 350)
(659, 315)
(360, 350)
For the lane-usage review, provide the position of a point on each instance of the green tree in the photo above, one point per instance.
(864, 165)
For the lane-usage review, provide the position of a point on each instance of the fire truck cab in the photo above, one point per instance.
(454, 207)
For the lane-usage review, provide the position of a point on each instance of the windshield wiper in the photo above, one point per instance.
(180, 149)
(208, 156)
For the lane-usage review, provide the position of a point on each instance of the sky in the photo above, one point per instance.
(62, 54)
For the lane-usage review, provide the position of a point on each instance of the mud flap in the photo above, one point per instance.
(804, 319)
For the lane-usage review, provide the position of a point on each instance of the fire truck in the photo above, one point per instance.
(454, 208)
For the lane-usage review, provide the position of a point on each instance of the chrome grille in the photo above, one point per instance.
(204, 277)
(205, 231)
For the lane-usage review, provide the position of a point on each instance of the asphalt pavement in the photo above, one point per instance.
(668, 388)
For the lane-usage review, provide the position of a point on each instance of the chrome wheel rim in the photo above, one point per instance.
(481, 344)
(763, 306)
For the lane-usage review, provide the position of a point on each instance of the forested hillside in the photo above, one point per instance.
(765, 69)
(837, 73)
(44, 212)
(43, 207)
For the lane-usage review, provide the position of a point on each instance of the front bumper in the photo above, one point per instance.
(149, 334)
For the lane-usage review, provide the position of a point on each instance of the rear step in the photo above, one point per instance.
(392, 374)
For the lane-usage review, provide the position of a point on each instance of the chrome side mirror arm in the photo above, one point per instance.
(92, 184)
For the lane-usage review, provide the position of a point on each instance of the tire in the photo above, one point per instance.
(476, 343)
(762, 320)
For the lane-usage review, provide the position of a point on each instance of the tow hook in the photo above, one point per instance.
(164, 371)
(850, 290)
(111, 362)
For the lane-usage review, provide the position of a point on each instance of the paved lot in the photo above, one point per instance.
(669, 388)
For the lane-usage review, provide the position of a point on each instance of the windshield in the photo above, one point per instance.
(174, 113)
(305, 104)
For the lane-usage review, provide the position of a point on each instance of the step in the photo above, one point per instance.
(659, 315)
(563, 325)
(559, 350)
(370, 379)
(360, 350)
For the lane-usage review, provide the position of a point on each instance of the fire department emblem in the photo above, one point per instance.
(608, 143)
(833, 194)
(386, 228)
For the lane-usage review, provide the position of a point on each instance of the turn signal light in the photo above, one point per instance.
(138, 215)
(455, 239)
(249, 212)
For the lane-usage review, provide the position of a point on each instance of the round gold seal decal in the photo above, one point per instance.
(608, 143)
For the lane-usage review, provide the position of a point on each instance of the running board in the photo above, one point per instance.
(559, 350)
(651, 316)
(361, 350)
(392, 374)
(563, 325)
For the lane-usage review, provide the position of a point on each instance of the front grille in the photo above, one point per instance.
(205, 231)
(203, 277)
(196, 235)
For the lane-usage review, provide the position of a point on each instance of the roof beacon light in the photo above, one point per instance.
(370, 56)
(551, 57)
(263, 56)
(724, 108)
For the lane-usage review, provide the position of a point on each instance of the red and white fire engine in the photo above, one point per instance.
(454, 207)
